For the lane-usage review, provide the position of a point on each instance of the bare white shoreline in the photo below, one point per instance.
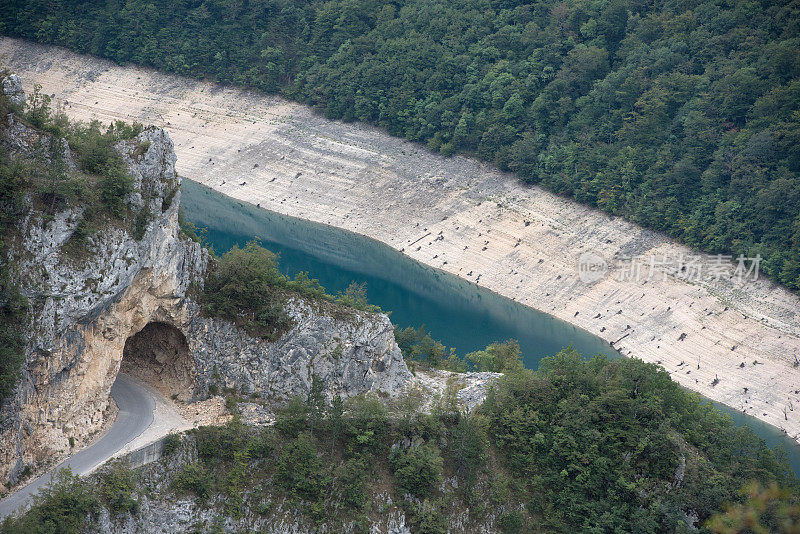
(455, 214)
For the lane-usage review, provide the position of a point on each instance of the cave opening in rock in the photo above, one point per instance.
(159, 355)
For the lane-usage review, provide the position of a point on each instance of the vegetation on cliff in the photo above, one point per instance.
(577, 446)
(245, 287)
(13, 306)
(42, 180)
(680, 116)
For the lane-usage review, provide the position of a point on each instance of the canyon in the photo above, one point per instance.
(734, 341)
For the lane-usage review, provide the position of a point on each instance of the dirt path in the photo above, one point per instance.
(734, 342)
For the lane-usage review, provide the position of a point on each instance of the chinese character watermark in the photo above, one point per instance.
(688, 267)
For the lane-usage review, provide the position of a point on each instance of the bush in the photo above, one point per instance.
(417, 470)
(510, 522)
(355, 296)
(498, 357)
(365, 425)
(417, 345)
(242, 289)
(171, 443)
(193, 478)
(428, 518)
(114, 186)
(351, 477)
(141, 222)
(118, 489)
(61, 507)
(222, 442)
(300, 471)
(293, 418)
(468, 446)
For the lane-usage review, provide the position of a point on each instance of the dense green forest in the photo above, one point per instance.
(598, 446)
(681, 115)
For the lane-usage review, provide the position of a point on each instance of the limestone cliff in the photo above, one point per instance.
(85, 307)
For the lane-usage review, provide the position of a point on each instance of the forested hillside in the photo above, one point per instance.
(679, 115)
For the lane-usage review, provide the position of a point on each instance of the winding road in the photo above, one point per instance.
(136, 407)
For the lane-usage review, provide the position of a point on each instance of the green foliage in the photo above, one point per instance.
(13, 306)
(600, 443)
(428, 518)
(417, 469)
(355, 296)
(141, 222)
(246, 287)
(293, 418)
(679, 116)
(351, 478)
(510, 522)
(765, 510)
(218, 443)
(172, 442)
(498, 357)
(309, 287)
(468, 447)
(193, 478)
(301, 472)
(61, 507)
(365, 425)
(115, 185)
(416, 344)
(38, 108)
(189, 230)
(118, 489)
(242, 289)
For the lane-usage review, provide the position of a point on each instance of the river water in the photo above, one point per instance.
(458, 313)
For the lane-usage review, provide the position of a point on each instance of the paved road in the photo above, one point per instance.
(135, 415)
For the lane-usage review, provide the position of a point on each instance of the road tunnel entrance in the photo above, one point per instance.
(159, 355)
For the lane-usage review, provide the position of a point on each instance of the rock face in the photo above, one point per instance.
(85, 307)
(350, 351)
(12, 88)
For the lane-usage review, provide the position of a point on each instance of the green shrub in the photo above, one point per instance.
(171, 443)
(511, 522)
(140, 224)
(38, 108)
(417, 470)
(355, 296)
(309, 287)
(61, 507)
(293, 418)
(242, 289)
(222, 442)
(428, 518)
(115, 185)
(300, 471)
(417, 345)
(498, 357)
(468, 447)
(193, 478)
(365, 424)
(351, 477)
(13, 305)
(166, 202)
(118, 489)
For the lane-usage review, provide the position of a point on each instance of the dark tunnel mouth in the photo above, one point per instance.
(159, 355)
